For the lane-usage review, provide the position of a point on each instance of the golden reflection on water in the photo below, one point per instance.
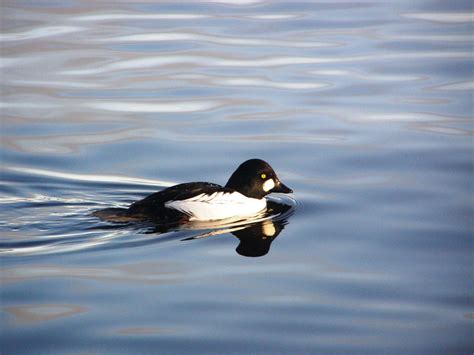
(44, 312)
(145, 273)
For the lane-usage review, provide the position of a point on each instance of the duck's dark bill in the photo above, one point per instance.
(281, 187)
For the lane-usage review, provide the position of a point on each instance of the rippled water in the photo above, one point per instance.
(363, 108)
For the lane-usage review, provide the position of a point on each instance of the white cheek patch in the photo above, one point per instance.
(268, 185)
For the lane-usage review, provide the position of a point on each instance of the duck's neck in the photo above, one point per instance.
(246, 189)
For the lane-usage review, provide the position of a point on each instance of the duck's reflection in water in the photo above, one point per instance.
(255, 234)
(256, 238)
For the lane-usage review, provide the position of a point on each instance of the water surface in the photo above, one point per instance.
(363, 108)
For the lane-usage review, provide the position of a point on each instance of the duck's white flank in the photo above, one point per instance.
(219, 205)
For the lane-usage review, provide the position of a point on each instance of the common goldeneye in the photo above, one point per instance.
(242, 196)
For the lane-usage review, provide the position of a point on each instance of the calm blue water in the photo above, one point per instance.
(363, 108)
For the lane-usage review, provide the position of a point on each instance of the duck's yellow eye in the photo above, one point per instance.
(263, 176)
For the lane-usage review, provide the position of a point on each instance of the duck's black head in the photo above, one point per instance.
(255, 178)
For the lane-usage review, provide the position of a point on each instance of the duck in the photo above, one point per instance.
(242, 196)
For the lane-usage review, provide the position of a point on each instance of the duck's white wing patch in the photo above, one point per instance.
(219, 205)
